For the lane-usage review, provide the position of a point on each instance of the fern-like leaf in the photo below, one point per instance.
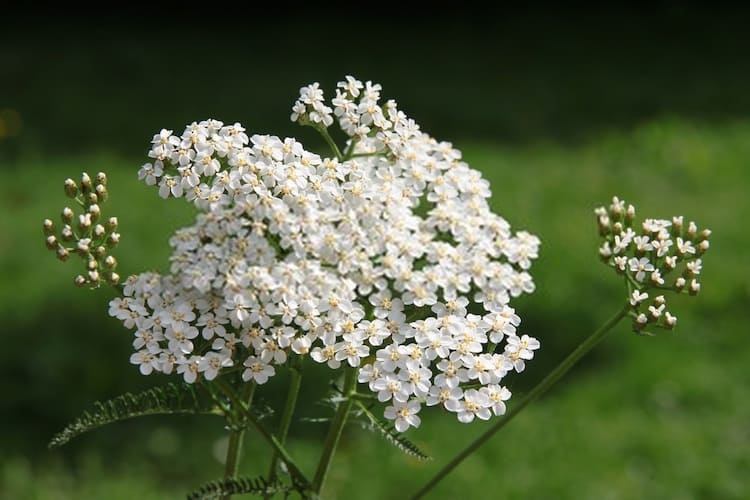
(389, 432)
(236, 486)
(167, 399)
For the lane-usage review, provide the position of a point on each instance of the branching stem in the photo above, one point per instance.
(537, 391)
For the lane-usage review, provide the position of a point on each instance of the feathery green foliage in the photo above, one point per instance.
(168, 399)
(236, 486)
(389, 432)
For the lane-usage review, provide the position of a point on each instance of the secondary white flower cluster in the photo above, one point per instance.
(650, 256)
(384, 258)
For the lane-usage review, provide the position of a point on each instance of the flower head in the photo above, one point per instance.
(370, 259)
(663, 255)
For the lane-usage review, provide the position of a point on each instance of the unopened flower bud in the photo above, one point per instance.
(101, 179)
(692, 231)
(95, 211)
(659, 300)
(62, 253)
(110, 262)
(67, 233)
(67, 215)
(71, 188)
(695, 287)
(620, 263)
(630, 214)
(80, 281)
(637, 297)
(94, 277)
(617, 228)
(113, 239)
(92, 264)
(83, 247)
(641, 320)
(654, 312)
(49, 227)
(677, 225)
(616, 208)
(604, 225)
(693, 268)
(702, 246)
(51, 242)
(91, 198)
(705, 234)
(680, 283)
(100, 252)
(99, 231)
(111, 224)
(113, 278)
(656, 278)
(669, 321)
(102, 193)
(85, 183)
(84, 222)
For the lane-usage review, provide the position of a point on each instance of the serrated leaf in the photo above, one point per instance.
(237, 486)
(389, 432)
(168, 399)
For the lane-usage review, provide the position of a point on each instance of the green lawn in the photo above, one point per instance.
(646, 418)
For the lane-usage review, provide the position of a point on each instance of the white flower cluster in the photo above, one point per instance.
(649, 257)
(385, 258)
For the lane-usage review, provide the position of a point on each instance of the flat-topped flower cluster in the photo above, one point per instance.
(384, 257)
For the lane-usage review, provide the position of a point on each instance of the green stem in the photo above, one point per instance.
(294, 470)
(235, 441)
(537, 391)
(286, 418)
(349, 151)
(331, 143)
(334, 432)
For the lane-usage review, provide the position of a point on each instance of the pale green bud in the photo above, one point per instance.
(49, 227)
(85, 183)
(71, 188)
(67, 215)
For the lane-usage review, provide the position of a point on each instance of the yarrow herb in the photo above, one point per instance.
(385, 257)
(382, 261)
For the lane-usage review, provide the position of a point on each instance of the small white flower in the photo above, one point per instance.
(694, 267)
(146, 360)
(669, 320)
(188, 367)
(211, 363)
(257, 370)
(684, 247)
(640, 267)
(404, 414)
(497, 397)
(475, 404)
(326, 355)
(637, 297)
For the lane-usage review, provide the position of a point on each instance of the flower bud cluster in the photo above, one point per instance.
(86, 234)
(656, 257)
(385, 259)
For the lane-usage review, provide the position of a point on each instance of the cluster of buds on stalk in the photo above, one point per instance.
(657, 257)
(86, 234)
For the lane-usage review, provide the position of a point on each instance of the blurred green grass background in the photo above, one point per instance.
(560, 110)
